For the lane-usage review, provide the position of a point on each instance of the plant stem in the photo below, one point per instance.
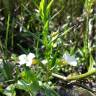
(59, 76)
(77, 77)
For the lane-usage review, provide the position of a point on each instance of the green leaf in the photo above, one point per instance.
(31, 88)
(41, 9)
(45, 32)
(48, 8)
(10, 90)
(50, 92)
(21, 84)
(7, 70)
(28, 76)
(92, 63)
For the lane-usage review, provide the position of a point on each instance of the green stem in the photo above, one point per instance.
(77, 77)
(7, 33)
(81, 76)
(59, 76)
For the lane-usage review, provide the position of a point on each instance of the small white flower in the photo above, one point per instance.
(26, 59)
(71, 60)
(22, 59)
(30, 57)
(44, 61)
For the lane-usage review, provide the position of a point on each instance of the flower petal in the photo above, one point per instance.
(22, 59)
(31, 56)
(29, 63)
(71, 60)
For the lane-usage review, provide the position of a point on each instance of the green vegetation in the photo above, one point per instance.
(47, 47)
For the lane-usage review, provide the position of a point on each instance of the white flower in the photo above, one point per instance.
(30, 58)
(22, 59)
(44, 61)
(71, 60)
(26, 59)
